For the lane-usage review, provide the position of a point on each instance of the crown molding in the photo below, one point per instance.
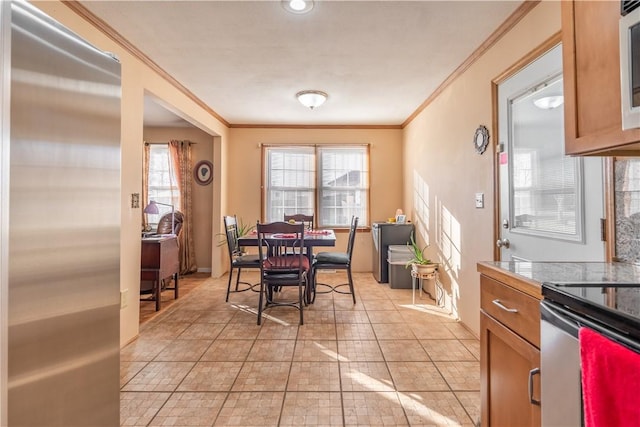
(503, 29)
(110, 32)
(291, 126)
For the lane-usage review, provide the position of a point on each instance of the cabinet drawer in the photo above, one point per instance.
(514, 309)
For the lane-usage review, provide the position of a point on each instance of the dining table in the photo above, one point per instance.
(312, 239)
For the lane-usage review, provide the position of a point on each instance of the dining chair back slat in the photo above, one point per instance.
(307, 220)
(280, 247)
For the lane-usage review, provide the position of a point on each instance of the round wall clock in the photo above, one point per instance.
(203, 172)
(481, 139)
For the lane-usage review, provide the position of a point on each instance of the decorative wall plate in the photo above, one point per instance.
(481, 139)
(203, 172)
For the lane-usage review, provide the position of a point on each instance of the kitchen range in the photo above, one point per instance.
(603, 297)
(607, 307)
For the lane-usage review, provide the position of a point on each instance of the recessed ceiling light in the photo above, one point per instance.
(549, 102)
(311, 98)
(297, 6)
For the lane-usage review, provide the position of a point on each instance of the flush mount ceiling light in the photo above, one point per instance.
(297, 6)
(311, 98)
(549, 102)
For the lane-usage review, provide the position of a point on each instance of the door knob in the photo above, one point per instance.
(504, 242)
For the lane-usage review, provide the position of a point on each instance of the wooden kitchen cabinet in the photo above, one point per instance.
(509, 355)
(591, 68)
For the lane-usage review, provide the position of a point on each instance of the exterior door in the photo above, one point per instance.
(550, 204)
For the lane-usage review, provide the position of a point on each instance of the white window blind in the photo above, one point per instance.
(330, 182)
(545, 183)
(290, 181)
(344, 185)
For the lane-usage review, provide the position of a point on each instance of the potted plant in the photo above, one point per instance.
(419, 262)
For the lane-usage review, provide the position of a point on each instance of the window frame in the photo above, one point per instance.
(154, 219)
(317, 181)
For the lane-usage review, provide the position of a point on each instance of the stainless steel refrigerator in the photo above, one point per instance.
(60, 231)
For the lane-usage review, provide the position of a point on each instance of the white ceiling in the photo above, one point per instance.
(377, 60)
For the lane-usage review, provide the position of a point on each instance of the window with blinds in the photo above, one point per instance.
(546, 184)
(163, 187)
(330, 182)
(290, 180)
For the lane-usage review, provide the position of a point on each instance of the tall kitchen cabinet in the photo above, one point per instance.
(509, 351)
(591, 68)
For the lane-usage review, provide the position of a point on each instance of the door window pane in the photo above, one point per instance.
(546, 189)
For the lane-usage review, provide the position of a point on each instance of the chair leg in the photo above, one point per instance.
(262, 290)
(300, 302)
(353, 293)
(238, 278)
(313, 288)
(158, 286)
(229, 284)
(269, 291)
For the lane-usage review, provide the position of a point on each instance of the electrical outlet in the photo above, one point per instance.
(479, 200)
(124, 298)
(135, 200)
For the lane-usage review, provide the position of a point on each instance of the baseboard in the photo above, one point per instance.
(204, 270)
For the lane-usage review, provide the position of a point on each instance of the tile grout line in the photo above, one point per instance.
(355, 336)
(228, 393)
(286, 385)
(386, 363)
(344, 418)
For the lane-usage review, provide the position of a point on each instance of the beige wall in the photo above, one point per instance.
(430, 165)
(245, 158)
(202, 196)
(442, 171)
(137, 79)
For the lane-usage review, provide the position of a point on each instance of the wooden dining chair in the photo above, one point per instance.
(280, 246)
(336, 261)
(237, 259)
(307, 220)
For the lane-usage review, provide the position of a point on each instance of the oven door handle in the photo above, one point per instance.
(534, 371)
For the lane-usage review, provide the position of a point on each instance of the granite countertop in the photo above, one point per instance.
(530, 275)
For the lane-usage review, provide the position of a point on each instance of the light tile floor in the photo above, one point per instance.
(383, 361)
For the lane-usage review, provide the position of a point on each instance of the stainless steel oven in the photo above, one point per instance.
(566, 308)
(560, 368)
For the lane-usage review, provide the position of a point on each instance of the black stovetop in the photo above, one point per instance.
(614, 304)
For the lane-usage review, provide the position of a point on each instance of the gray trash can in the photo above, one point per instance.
(399, 274)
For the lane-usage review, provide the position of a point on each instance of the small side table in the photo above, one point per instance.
(420, 277)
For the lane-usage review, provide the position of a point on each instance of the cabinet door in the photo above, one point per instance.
(506, 361)
(591, 68)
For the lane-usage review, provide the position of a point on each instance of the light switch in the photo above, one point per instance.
(135, 200)
(124, 298)
(479, 200)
